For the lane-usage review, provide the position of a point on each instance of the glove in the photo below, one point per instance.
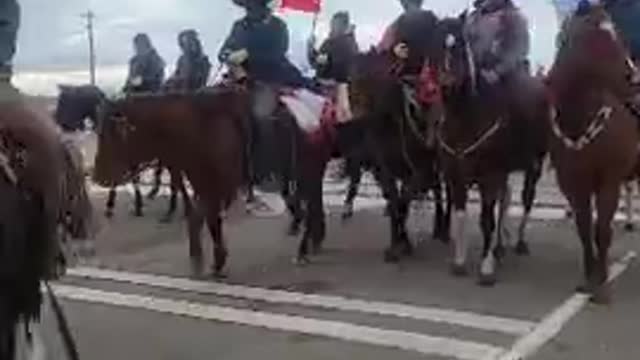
(490, 76)
(136, 81)
(238, 57)
(401, 51)
(322, 59)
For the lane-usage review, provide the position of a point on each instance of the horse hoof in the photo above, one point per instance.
(458, 270)
(293, 230)
(499, 252)
(487, 280)
(391, 256)
(219, 274)
(346, 216)
(108, 214)
(601, 295)
(522, 249)
(316, 248)
(301, 261)
(167, 219)
(629, 227)
(585, 288)
(407, 249)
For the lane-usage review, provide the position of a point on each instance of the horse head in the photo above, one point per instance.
(453, 56)
(371, 78)
(114, 131)
(75, 104)
(591, 55)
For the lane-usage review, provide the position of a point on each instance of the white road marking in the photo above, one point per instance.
(552, 324)
(440, 346)
(436, 315)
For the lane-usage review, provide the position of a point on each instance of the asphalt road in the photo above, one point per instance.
(134, 300)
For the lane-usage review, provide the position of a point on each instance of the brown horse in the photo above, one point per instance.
(31, 182)
(395, 132)
(489, 131)
(595, 137)
(79, 103)
(206, 144)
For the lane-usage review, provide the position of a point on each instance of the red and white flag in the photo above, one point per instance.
(310, 6)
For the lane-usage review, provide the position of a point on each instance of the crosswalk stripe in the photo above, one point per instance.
(425, 344)
(431, 314)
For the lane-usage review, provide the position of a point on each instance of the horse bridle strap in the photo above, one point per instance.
(461, 154)
(595, 128)
(7, 170)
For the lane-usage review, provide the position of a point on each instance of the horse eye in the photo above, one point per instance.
(450, 41)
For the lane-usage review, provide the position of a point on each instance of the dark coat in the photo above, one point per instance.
(192, 72)
(626, 16)
(340, 50)
(267, 42)
(149, 67)
(414, 29)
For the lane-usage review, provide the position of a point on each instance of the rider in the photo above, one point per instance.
(333, 61)
(408, 39)
(9, 22)
(146, 67)
(193, 68)
(258, 44)
(335, 56)
(499, 38)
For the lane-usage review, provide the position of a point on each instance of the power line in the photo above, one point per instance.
(90, 17)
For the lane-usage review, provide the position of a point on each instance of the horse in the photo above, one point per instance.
(206, 144)
(483, 139)
(31, 182)
(395, 132)
(594, 135)
(78, 103)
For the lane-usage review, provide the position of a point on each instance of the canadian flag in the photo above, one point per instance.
(311, 6)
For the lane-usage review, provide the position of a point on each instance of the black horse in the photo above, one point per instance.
(396, 135)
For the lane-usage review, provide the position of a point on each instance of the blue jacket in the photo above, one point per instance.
(267, 42)
(626, 16)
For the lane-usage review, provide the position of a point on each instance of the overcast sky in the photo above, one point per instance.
(53, 45)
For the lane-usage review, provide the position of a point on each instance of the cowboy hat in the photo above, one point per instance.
(245, 3)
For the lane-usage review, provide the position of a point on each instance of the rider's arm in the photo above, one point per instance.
(9, 23)
(515, 43)
(232, 43)
(279, 38)
(388, 39)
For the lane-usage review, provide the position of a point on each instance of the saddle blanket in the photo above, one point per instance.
(307, 107)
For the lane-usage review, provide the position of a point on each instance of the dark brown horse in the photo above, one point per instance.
(395, 133)
(489, 131)
(595, 137)
(31, 182)
(77, 104)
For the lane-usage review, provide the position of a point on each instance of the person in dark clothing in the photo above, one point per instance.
(193, 68)
(9, 23)
(335, 56)
(146, 67)
(258, 44)
(408, 36)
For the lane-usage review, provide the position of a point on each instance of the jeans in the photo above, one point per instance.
(262, 143)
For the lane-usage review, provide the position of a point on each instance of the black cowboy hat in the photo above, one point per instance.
(245, 3)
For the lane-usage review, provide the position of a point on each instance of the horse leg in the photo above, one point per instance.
(111, 202)
(628, 202)
(490, 191)
(138, 197)
(582, 209)
(439, 228)
(606, 206)
(195, 222)
(157, 181)
(355, 176)
(173, 200)
(389, 187)
(220, 252)
(315, 214)
(458, 199)
(503, 214)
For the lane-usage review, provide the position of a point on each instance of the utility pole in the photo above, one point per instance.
(90, 16)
